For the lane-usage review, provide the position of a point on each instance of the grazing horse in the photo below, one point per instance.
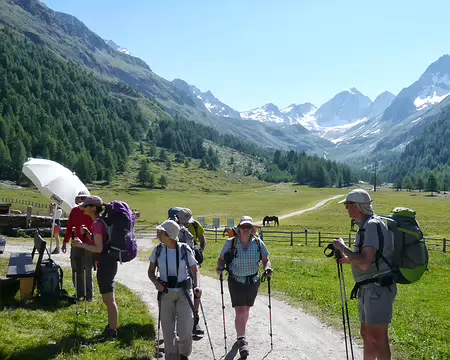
(268, 219)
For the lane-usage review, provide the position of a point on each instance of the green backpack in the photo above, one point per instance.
(410, 259)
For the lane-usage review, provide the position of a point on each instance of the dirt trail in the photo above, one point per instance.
(296, 335)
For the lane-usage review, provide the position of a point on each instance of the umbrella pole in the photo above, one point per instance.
(53, 227)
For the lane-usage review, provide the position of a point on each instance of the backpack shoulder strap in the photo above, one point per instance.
(158, 252)
(185, 256)
(233, 245)
(195, 226)
(258, 241)
(381, 247)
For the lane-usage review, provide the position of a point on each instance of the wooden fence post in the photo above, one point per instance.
(320, 240)
(292, 238)
(445, 245)
(306, 237)
(349, 240)
(216, 234)
(28, 218)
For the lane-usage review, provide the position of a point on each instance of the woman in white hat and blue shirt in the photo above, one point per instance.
(243, 274)
(177, 277)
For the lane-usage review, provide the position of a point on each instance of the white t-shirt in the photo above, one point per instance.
(172, 261)
(58, 214)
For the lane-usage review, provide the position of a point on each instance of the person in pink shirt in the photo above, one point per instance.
(106, 264)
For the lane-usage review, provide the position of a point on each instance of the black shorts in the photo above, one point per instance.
(106, 272)
(242, 294)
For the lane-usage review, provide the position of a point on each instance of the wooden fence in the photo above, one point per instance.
(317, 238)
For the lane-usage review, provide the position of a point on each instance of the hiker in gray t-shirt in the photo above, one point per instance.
(374, 286)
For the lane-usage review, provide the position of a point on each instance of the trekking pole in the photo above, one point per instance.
(85, 285)
(159, 321)
(337, 255)
(346, 311)
(342, 309)
(75, 280)
(270, 314)
(223, 314)
(207, 329)
(263, 278)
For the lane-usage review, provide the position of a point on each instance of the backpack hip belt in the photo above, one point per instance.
(180, 285)
(248, 279)
(384, 281)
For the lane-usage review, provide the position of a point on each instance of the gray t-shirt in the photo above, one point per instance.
(182, 271)
(370, 234)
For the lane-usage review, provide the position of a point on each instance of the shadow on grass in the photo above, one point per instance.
(37, 303)
(73, 344)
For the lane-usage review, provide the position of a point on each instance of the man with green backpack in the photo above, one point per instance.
(388, 250)
(375, 286)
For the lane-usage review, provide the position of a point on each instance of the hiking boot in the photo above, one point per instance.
(243, 347)
(55, 251)
(182, 357)
(197, 330)
(109, 334)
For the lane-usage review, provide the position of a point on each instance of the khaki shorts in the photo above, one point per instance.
(375, 304)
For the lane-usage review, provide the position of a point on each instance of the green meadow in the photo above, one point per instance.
(303, 276)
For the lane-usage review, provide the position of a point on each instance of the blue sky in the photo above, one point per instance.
(250, 52)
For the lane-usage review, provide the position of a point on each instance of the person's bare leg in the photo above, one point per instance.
(376, 342)
(242, 315)
(113, 313)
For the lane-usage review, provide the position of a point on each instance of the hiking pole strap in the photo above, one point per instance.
(355, 290)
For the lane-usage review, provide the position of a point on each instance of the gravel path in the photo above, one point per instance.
(296, 335)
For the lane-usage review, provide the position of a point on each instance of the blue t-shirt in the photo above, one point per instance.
(246, 261)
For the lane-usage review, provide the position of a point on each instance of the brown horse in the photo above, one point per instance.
(268, 219)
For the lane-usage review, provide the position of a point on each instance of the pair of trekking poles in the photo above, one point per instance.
(329, 252)
(263, 278)
(77, 312)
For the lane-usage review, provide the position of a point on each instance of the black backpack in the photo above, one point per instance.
(50, 281)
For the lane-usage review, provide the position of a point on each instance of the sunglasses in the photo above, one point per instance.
(245, 227)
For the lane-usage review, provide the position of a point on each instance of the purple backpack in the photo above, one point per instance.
(119, 221)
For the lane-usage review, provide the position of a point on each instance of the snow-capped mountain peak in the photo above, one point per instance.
(118, 47)
(344, 108)
(206, 100)
(267, 113)
(432, 87)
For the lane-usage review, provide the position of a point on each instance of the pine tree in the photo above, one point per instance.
(144, 174)
(163, 181)
(398, 184)
(152, 150)
(432, 184)
(420, 184)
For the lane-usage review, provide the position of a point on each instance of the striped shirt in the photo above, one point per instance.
(246, 261)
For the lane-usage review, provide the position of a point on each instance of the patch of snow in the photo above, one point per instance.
(199, 97)
(209, 106)
(422, 103)
(288, 109)
(414, 121)
(261, 115)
